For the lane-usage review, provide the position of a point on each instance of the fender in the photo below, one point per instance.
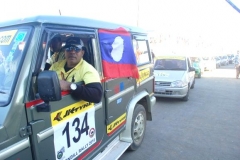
(126, 134)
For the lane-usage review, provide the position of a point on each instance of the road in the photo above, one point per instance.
(207, 127)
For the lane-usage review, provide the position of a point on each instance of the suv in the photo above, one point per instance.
(174, 76)
(39, 121)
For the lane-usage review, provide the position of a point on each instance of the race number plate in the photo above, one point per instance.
(74, 129)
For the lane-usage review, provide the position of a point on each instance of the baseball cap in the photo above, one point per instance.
(74, 41)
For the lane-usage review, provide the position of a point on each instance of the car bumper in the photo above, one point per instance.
(170, 92)
(197, 75)
(152, 101)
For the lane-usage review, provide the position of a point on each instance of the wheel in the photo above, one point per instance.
(185, 98)
(193, 84)
(138, 127)
(200, 75)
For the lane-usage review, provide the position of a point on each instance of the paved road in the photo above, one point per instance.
(207, 127)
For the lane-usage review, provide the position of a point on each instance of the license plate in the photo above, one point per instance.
(161, 90)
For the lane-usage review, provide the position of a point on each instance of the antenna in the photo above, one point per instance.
(60, 12)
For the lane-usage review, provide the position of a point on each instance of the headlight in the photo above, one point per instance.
(178, 84)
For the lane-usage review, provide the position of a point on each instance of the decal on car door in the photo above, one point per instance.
(74, 129)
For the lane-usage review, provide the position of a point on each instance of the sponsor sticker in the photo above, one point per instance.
(7, 36)
(143, 74)
(116, 123)
(162, 74)
(74, 130)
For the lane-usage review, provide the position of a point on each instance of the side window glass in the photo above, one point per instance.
(56, 44)
(141, 51)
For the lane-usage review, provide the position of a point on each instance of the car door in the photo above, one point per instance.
(118, 91)
(191, 72)
(66, 128)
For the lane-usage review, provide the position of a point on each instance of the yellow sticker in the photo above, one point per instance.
(112, 126)
(143, 74)
(171, 57)
(7, 36)
(70, 111)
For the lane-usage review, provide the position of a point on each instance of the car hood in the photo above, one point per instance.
(168, 75)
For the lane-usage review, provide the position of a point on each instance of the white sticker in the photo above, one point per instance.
(163, 74)
(75, 135)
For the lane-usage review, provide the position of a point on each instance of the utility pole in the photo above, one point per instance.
(138, 13)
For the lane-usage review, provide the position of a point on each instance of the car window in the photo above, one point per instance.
(170, 64)
(12, 43)
(141, 51)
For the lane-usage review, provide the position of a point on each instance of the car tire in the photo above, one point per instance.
(138, 127)
(200, 75)
(185, 98)
(193, 84)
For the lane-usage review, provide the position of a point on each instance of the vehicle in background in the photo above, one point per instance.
(197, 69)
(209, 63)
(218, 61)
(235, 59)
(198, 64)
(174, 76)
(224, 60)
(230, 59)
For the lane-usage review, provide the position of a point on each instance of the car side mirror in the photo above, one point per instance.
(191, 69)
(48, 86)
(49, 89)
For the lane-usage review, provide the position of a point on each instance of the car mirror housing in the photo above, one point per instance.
(48, 86)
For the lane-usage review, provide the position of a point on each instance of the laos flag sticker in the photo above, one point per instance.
(118, 58)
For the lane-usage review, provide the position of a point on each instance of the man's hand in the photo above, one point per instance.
(65, 85)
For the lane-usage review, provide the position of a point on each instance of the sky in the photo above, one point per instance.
(212, 22)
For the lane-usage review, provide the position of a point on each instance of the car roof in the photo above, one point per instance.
(171, 56)
(73, 21)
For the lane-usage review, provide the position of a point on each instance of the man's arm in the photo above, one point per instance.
(47, 66)
(91, 92)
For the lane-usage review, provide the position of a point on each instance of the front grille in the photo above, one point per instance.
(163, 84)
(165, 93)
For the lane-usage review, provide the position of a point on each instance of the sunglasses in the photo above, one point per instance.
(76, 49)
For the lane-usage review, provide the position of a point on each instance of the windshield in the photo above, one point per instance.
(12, 43)
(170, 64)
(205, 58)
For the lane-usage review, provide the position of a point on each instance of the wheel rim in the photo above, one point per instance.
(139, 127)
